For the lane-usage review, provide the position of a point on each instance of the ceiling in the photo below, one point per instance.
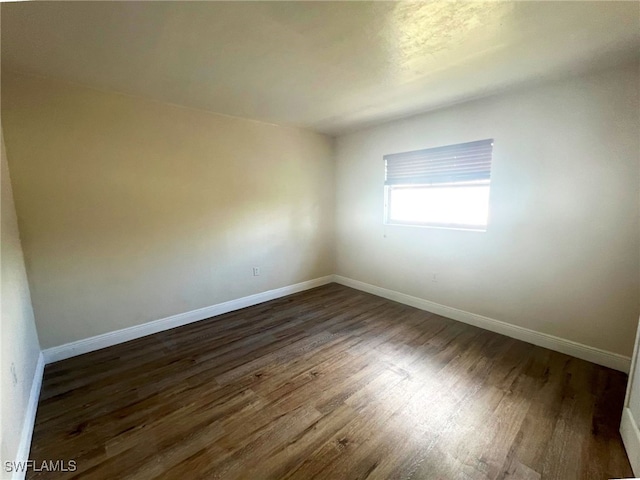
(328, 66)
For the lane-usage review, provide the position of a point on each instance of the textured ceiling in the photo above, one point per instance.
(328, 66)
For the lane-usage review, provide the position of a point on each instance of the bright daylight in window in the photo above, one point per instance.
(440, 187)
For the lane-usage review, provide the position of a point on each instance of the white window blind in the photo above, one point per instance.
(464, 162)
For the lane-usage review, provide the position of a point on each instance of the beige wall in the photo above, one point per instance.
(561, 254)
(18, 338)
(132, 210)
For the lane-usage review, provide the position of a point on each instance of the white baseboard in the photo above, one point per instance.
(86, 345)
(575, 349)
(585, 352)
(22, 455)
(631, 439)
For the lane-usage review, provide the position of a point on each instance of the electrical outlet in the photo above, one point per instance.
(434, 278)
(256, 271)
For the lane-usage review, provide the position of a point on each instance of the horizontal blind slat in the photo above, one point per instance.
(454, 166)
(432, 161)
(421, 154)
(442, 179)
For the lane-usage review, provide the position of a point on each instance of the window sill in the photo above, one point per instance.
(464, 228)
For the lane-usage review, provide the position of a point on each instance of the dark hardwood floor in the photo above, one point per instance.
(330, 383)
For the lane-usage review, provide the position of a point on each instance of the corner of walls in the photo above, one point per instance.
(168, 208)
(22, 362)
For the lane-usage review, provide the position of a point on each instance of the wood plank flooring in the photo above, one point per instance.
(330, 383)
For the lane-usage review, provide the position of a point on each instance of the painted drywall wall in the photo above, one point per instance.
(631, 412)
(561, 253)
(132, 210)
(20, 349)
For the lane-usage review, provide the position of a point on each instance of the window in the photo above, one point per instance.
(440, 187)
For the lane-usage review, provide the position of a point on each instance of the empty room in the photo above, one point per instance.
(320, 240)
